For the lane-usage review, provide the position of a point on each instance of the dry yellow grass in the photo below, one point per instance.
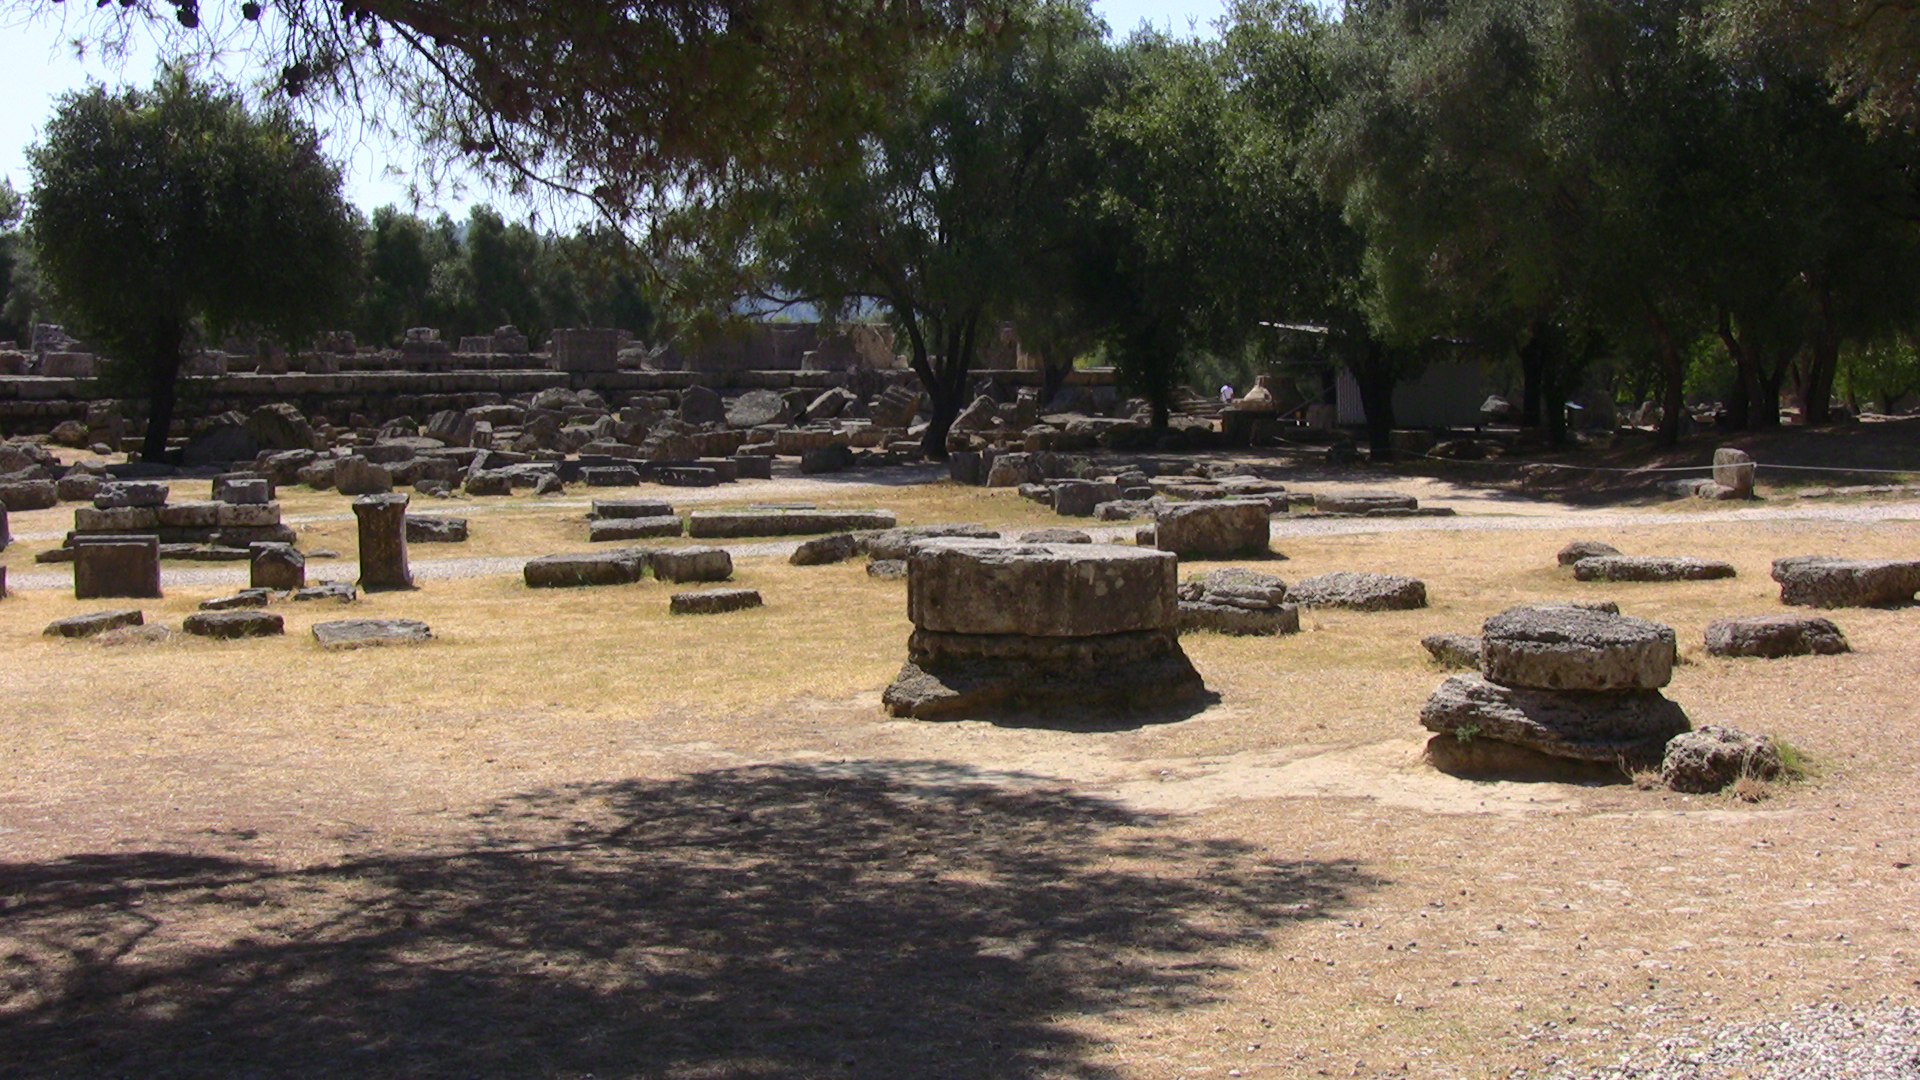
(576, 834)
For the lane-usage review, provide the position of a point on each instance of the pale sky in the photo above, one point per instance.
(41, 66)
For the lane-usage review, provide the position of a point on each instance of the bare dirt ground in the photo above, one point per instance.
(576, 837)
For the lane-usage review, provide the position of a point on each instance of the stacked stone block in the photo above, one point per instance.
(1563, 690)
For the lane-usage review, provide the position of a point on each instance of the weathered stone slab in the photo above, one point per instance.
(692, 564)
(826, 549)
(114, 566)
(21, 496)
(1773, 636)
(1055, 536)
(1361, 502)
(87, 519)
(599, 568)
(1196, 615)
(1221, 529)
(245, 598)
(355, 475)
(243, 491)
(1826, 582)
(340, 591)
(605, 476)
(1360, 592)
(119, 493)
(609, 509)
(278, 567)
(234, 624)
(244, 515)
(732, 524)
(1650, 568)
(1460, 651)
(1080, 679)
(98, 622)
(1570, 648)
(887, 569)
(628, 529)
(1733, 469)
(1584, 549)
(1707, 760)
(713, 601)
(1078, 498)
(1040, 590)
(189, 515)
(436, 530)
(1630, 727)
(365, 633)
(899, 543)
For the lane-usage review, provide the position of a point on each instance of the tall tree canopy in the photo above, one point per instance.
(933, 217)
(161, 217)
(624, 101)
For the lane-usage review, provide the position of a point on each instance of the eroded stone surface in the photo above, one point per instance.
(1585, 549)
(436, 530)
(572, 571)
(626, 529)
(98, 622)
(1090, 679)
(826, 549)
(1709, 759)
(1361, 502)
(234, 624)
(713, 601)
(1460, 651)
(1650, 568)
(1773, 636)
(1555, 647)
(1628, 726)
(1040, 590)
(1827, 582)
(692, 564)
(898, 543)
(1220, 529)
(1361, 592)
(364, 633)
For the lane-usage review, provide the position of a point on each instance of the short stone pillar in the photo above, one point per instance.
(116, 566)
(6, 537)
(1733, 469)
(278, 567)
(383, 542)
(583, 349)
(1078, 632)
(3, 583)
(1215, 529)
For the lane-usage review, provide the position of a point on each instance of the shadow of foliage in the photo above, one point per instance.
(872, 919)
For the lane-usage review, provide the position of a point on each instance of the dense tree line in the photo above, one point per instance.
(1662, 197)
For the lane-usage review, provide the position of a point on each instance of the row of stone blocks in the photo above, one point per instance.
(123, 565)
(628, 566)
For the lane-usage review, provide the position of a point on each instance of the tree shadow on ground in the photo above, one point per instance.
(874, 919)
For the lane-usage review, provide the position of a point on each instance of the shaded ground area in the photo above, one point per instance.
(874, 919)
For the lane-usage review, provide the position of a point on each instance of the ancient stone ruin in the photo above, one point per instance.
(1826, 582)
(1077, 632)
(1565, 692)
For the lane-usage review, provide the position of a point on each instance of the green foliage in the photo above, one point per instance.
(1883, 371)
(162, 216)
(935, 219)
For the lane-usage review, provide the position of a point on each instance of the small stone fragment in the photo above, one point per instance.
(98, 622)
(226, 625)
(713, 601)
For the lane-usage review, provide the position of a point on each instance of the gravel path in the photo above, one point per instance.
(1815, 1042)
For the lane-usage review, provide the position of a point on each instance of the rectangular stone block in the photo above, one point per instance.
(1040, 590)
(116, 566)
(190, 515)
(692, 564)
(243, 490)
(630, 508)
(120, 519)
(247, 515)
(725, 524)
(579, 349)
(131, 493)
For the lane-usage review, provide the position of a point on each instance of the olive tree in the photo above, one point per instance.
(168, 216)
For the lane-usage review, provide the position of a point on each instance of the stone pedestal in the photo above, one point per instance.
(278, 567)
(116, 566)
(6, 537)
(383, 542)
(1075, 632)
(587, 350)
(1733, 469)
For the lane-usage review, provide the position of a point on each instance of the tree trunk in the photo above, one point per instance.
(163, 377)
(1376, 378)
(1673, 364)
(1823, 365)
(945, 381)
(1533, 368)
(1739, 415)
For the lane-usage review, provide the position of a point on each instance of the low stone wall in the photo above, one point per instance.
(33, 405)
